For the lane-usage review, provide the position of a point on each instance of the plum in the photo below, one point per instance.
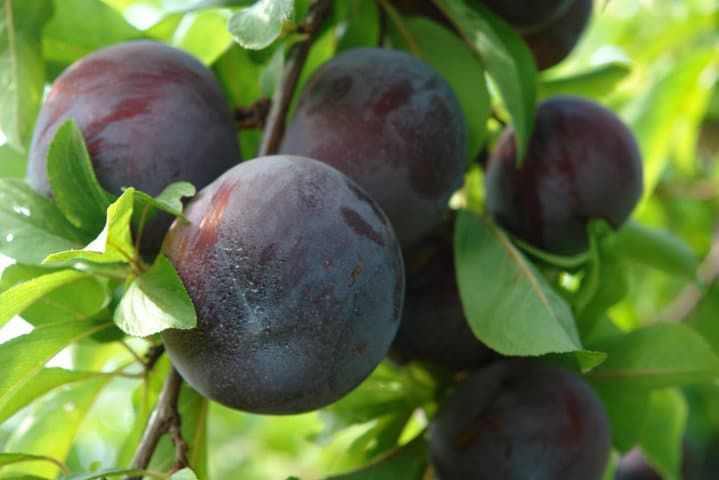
(554, 41)
(150, 114)
(519, 420)
(297, 279)
(433, 325)
(582, 162)
(391, 123)
(528, 15)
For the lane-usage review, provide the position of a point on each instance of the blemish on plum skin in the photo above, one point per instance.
(359, 348)
(356, 272)
(206, 235)
(360, 226)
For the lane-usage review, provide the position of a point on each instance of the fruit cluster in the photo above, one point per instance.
(308, 267)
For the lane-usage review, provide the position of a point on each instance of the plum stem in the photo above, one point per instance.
(165, 418)
(318, 12)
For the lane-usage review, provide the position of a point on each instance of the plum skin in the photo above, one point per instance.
(297, 279)
(517, 420)
(392, 124)
(582, 163)
(434, 327)
(553, 42)
(528, 15)
(150, 114)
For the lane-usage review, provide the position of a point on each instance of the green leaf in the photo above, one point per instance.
(360, 21)
(169, 200)
(104, 473)
(22, 71)
(73, 182)
(506, 58)
(257, 26)
(659, 249)
(509, 305)
(663, 431)
(155, 301)
(23, 357)
(16, 299)
(11, 458)
(69, 35)
(114, 243)
(657, 356)
(462, 70)
(12, 163)
(703, 318)
(408, 461)
(595, 83)
(56, 422)
(184, 474)
(46, 380)
(77, 300)
(31, 226)
(626, 406)
(203, 34)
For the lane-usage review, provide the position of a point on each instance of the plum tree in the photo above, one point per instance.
(528, 15)
(520, 419)
(150, 114)
(555, 40)
(297, 279)
(391, 123)
(433, 325)
(582, 163)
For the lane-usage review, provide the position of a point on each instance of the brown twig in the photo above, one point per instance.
(688, 299)
(318, 12)
(165, 418)
(254, 116)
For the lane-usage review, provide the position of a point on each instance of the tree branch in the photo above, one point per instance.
(164, 419)
(319, 11)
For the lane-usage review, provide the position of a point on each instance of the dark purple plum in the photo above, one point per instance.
(528, 15)
(433, 326)
(553, 42)
(517, 420)
(150, 114)
(634, 466)
(297, 279)
(391, 123)
(582, 163)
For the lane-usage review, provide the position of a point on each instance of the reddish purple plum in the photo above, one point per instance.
(150, 114)
(297, 279)
(391, 123)
(582, 163)
(517, 420)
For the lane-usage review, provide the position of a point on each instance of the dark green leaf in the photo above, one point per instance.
(73, 182)
(506, 58)
(704, 317)
(155, 301)
(509, 305)
(31, 226)
(169, 200)
(360, 23)
(407, 462)
(663, 431)
(22, 76)
(657, 248)
(257, 26)
(626, 407)
(657, 356)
